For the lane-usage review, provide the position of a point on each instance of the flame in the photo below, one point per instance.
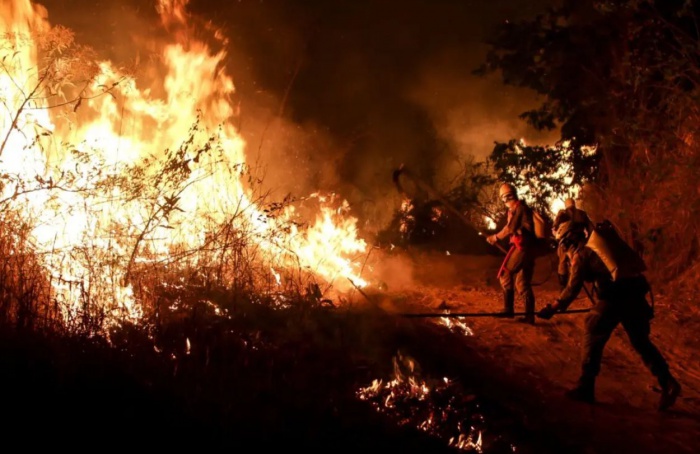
(114, 171)
(563, 172)
(456, 325)
(407, 219)
(437, 407)
(436, 213)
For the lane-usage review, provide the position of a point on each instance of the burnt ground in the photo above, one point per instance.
(279, 379)
(536, 364)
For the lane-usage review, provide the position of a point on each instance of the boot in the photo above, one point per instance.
(508, 303)
(529, 310)
(670, 390)
(584, 391)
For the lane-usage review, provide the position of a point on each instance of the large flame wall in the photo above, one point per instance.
(109, 174)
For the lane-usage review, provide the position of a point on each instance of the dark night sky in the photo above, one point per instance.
(372, 84)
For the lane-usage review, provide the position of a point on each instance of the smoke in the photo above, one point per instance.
(333, 96)
(471, 113)
(405, 272)
(395, 272)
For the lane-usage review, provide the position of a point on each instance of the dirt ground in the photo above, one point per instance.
(538, 363)
(291, 378)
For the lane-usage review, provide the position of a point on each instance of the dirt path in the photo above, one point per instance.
(540, 362)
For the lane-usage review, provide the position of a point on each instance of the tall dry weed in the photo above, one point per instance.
(25, 291)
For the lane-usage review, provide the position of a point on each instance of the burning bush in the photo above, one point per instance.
(120, 194)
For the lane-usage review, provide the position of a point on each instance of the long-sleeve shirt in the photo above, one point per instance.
(520, 225)
(587, 266)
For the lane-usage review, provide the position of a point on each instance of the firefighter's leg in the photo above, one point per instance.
(507, 284)
(600, 324)
(509, 270)
(636, 325)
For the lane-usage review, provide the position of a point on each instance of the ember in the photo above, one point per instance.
(456, 325)
(439, 407)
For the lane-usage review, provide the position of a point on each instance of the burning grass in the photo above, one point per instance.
(219, 372)
(221, 368)
(148, 282)
(438, 407)
(119, 190)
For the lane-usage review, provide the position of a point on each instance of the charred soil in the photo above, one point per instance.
(280, 378)
(530, 367)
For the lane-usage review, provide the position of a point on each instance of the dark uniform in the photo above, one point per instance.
(616, 302)
(580, 223)
(519, 265)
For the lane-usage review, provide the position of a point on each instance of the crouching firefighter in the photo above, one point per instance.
(616, 301)
(519, 265)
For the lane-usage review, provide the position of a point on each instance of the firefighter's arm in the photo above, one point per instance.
(569, 293)
(499, 235)
(513, 224)
(504, 232)
(574, 286)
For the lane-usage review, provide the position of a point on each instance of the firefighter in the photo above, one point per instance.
(519, 265)
(616, 302)
(581, 222)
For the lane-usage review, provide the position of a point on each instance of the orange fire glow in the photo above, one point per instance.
(563, 173)
(413, 401)
(113, 172)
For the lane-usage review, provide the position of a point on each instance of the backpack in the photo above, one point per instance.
(542, 228)
(618, 257)
(544, 239)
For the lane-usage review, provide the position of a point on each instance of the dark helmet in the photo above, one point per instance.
(507, 192)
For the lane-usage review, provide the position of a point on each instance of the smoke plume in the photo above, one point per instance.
(333, 96)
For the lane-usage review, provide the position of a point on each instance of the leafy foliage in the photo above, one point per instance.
(543, 173)
(124, 230)
(66, 73)
(621, 76)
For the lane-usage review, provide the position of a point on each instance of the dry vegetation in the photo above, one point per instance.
(635, 99)
(656, 203)
(218, 351)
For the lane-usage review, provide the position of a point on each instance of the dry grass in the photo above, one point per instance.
(25, 291)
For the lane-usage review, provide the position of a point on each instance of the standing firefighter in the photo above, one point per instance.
(620, 298)
(581, 223)
(519, 264)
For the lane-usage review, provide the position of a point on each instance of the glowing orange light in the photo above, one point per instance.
(95, 228)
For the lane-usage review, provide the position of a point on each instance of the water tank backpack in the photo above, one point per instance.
(619, 258)
(542, 230)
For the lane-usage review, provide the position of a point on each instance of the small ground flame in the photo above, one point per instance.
(438, 407)
(456, 325)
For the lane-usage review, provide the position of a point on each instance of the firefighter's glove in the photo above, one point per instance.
(547, 312)
(491, 239)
